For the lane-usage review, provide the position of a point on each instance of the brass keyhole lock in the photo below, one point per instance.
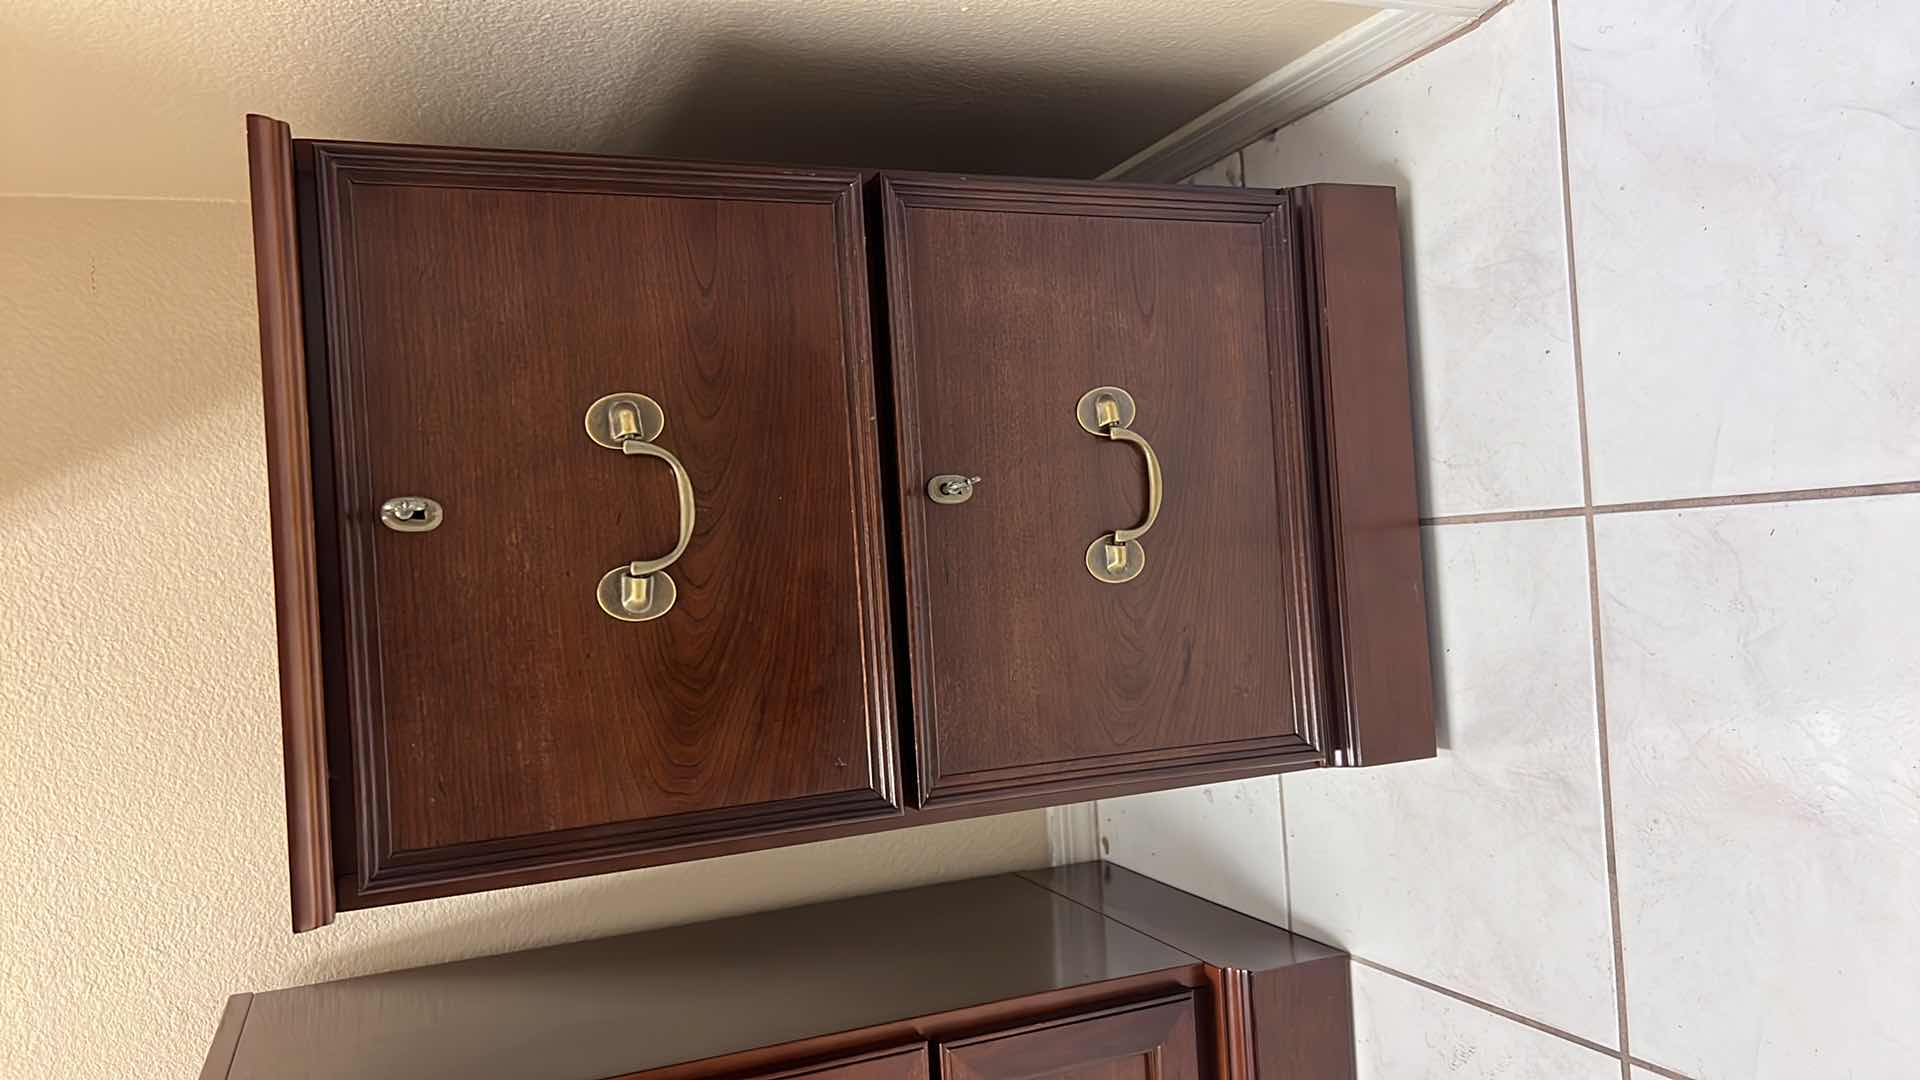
(949, 489)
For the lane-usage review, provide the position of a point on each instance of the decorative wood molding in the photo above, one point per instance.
(290, 509)
(1334, 68)
(1464, 8)
(382, 867)
(1297, 565)
(1280, 1002)
(1163, 1031)
(1381, 683)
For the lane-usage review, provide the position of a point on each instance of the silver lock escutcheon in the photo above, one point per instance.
(949, 489)
(411, 513)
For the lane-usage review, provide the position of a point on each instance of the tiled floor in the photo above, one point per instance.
(1404, 1029)
(1775, 346)
(1498, 422)
(1509, 817)
(1674, 827)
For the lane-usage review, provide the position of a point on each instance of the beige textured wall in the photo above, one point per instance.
(134, 97)
(142, 868)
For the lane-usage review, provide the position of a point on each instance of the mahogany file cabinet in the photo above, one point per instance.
(631, 511)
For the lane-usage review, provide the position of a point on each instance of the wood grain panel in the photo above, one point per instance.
(902, 1063)
(1153, 1040)
(1381, 670)
(1009, 301)
(1301, 1021)
(477, 303)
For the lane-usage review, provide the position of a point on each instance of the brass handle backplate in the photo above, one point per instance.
(642, 589)
(1108, 411)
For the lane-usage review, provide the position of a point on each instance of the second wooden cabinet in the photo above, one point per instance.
(602, 539)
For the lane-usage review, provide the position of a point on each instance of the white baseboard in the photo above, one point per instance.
(1073, 833)
(1332, 69)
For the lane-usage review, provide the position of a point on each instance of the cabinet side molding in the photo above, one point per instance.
(1380, 666)
(290, 506)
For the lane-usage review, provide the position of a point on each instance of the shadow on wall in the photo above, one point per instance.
(535, 916)
(749, 101)
(118, 318)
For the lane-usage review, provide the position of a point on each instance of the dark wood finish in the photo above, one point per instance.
(909, 817)
(1218, 935)
(1152, 1040)
(903, 1063)
(1006, 975)
(993, 1016)
(428, 754)
(226, 1038)
(1009, 300)
(875, 965)
(1301, 1021)
(290, 473)
(1284, 1000)
(1381, 675)
(477, 302)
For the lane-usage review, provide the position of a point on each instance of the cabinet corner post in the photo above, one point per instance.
(283, 367)
(1286, 1023)
(1355, 303)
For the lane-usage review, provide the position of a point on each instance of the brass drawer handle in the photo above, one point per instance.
(642, 589)
(1108, 411)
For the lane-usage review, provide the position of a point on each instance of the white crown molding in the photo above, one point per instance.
(1073, 833)
(1330, 70)
(1462, 8)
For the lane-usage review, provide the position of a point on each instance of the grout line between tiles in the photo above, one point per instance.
(1852, 491)
(1658, 1070)
(1487, 1006)
(1699, 502)
(1593, 557)
(1604, 747)
(1492, 516)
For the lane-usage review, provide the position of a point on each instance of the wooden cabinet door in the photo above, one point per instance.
(1154, 1040)
(476, 304)
(1010, 302)
(899, 1063)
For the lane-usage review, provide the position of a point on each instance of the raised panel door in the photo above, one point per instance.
(1153, 1040)
(1011, 302)
(502, 716)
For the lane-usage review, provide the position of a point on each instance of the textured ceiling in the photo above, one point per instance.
(144, 97)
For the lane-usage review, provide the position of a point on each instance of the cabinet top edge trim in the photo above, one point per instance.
(928, 189)
(420, 158)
